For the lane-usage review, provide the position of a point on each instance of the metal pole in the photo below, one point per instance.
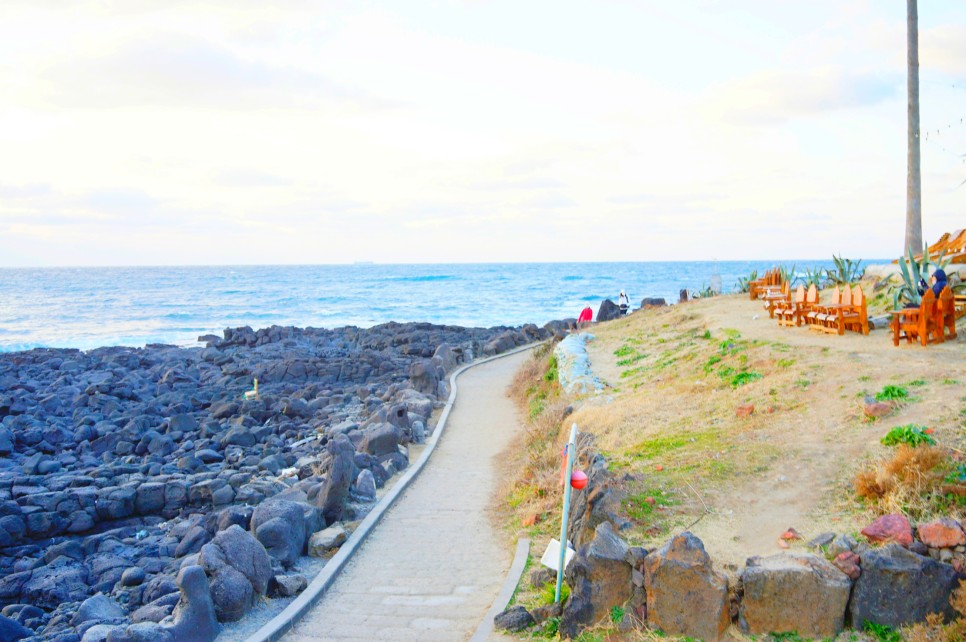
(569, 449)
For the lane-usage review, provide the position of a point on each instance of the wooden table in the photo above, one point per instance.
(770, 301)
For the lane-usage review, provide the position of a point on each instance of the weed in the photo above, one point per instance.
(549, 591)
(909, 434)
(624, 351)
(917, 382)
(788, 636)
(631, 360)
(616, 614)
(706, 335)
(865, 378)
(950, 382)
(786, 363)
(743, 378)
(803, 383)
(551, 627)
(897, 394)
(551, 374)
(881, 632)
(640, 505)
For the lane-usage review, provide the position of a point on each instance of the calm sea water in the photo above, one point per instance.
(90, 307)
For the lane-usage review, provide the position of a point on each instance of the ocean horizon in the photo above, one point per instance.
(89, 307)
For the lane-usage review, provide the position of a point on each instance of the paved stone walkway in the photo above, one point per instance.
(432, 568)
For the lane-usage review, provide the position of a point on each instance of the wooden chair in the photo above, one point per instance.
(774, 298)
(857, 317)
(819, 316)
(946, 311)
(787, 313)
(918, 323)
(811, 300)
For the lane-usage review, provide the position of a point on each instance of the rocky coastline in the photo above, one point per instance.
(152, 494)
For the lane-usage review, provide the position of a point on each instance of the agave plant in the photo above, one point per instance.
(787, 274)
(812, 276)
(846, 271)
(744, 284)
(912, 271)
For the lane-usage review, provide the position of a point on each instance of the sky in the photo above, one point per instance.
(136, 132)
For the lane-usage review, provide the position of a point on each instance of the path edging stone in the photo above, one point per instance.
(275, 628)
(506, 593)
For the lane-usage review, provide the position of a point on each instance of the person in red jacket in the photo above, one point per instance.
(586, 316)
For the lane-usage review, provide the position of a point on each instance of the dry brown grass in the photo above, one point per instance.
(911, 481)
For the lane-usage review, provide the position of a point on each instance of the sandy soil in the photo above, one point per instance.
(789, 464)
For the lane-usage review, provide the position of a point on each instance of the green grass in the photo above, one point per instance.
(631, 360)
(786, 363)
(892, 393)
(803, 383)
(638, 508)
(624, 351)
(551, 374)
(909, 434)
(743, 378)
(950, 382)
(882, 633)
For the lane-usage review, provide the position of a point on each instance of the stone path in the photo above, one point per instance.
(432, 568)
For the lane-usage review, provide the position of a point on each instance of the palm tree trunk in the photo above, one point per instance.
(914, 172)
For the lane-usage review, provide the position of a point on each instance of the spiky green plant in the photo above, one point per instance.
(787, 273)
(812, 276)
(744, 284)
(846, 271)
(912, 271)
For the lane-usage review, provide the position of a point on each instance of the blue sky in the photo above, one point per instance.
(142, 132)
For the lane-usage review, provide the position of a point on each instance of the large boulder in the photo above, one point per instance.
(596, 504)
(11, 630)
(239, 568)
(793, 592)
(599, 578)
(608, 310)
(63, 580)
(683, 568)
(381, 439)
(889, 528)
(280, 526)
(425, 377)
(942, 533)
(194, 618)
(899, 587)
(97, 608)
(342, 472)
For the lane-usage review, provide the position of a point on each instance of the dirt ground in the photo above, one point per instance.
(745, 480)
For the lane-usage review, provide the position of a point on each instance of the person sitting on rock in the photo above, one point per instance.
(623, 302)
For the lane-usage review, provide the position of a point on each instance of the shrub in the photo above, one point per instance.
(909, 434)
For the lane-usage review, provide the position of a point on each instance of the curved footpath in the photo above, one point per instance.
(433, 566)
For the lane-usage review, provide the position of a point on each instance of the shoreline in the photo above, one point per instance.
(145, 458)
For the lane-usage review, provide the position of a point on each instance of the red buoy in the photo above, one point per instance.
(578, 479)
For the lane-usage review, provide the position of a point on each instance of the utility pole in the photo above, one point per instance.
(914, 170)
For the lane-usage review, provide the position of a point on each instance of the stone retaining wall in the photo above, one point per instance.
(816, 593)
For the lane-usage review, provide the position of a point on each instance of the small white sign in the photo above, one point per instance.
(551, 556)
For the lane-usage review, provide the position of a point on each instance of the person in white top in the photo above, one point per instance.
(623, 302)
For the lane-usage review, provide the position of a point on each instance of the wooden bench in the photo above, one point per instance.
(787, 312)
(918, 323)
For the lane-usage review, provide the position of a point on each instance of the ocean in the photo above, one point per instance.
(91, 307)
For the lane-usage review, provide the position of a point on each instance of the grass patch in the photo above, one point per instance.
(897, 394)
(624, 351)
(786, 363)
(640, 506)
(744, 378)
(631, 360)
(909, 434)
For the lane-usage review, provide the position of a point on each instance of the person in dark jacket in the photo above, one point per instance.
(938, 280)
